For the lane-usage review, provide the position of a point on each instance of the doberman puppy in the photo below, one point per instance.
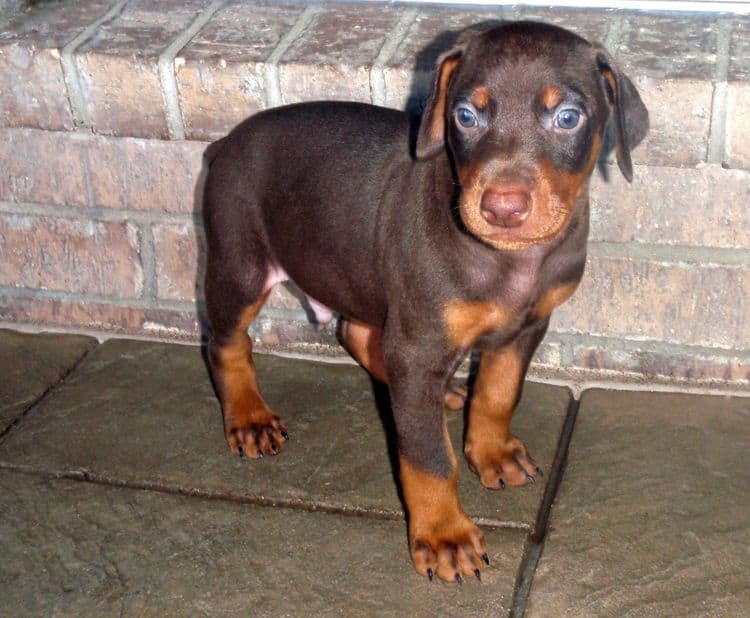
(465, 240)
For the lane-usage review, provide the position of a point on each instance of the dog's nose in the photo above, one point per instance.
(506, 206)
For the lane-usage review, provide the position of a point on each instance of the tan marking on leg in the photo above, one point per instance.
(554, 298)
(442, 539)
(365, 344)
(466, 321)
(493, 452)
(250, 426)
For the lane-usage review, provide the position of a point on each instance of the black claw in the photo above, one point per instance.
(530, 478)
(242, 451)
(539, 471)
(486, 559)
(260, 455)
(502, 484)
(477, 574)
(285, 435)
(459, 581)
(429, 574)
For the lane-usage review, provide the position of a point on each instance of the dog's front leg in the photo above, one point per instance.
(493, 452)
(443, 541)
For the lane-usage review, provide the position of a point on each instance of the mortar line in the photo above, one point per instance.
(535, 546)
(116, 301)
(101, 213)
(271, 78)
(393, 40)
(148, 263)
(717, 128)
(168, 79)
(294, 504)
(71, 74)
(66, 375)
(615, 31)
(632, 342)
(671, 254)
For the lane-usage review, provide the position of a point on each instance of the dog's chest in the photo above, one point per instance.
(526, 295)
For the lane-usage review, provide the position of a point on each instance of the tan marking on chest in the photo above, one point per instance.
(466, 321)
(554, 298)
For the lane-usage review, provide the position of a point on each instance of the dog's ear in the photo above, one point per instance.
(431, 136)
(629, 113)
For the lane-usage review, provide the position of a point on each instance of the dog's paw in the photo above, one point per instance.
(501, 463)
(256, 437)
(451, 549)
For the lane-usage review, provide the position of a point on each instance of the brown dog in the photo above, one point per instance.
(466, 240)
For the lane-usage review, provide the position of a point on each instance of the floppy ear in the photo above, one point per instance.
(431, 136)
(630, 114)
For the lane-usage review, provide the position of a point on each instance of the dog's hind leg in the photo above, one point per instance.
(234, 297)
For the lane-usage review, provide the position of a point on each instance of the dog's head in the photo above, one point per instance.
(522, 110)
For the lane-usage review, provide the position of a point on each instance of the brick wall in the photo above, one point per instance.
(106, 107)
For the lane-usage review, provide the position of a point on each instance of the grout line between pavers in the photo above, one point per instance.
(167, 76)
(271, 78)
(72, 76)
(83, 475)
(69, 373)
(393, 40)
(535, 547)
(717, 128)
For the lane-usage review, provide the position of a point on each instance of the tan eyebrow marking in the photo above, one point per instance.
(551, 97)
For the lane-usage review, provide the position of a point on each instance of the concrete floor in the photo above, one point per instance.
(118, 495)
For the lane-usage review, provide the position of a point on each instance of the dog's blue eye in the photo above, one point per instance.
(466, 117)
(568, 118)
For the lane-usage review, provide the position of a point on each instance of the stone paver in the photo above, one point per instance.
(652, 515)
(142, 412)
(30, 364)
(76, 549)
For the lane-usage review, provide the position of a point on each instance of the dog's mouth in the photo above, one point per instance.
(513, 215)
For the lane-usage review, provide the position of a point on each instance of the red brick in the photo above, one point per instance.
(591, 25)
(671, 47)
(433, 31)
(43, 167)
(677, 206)
(692, 304)
(172, 324)
(680, 117)
(32, 87)
(220, 73)
(70, 255)
(687, 365)
(739, 49)
(738, 125)
(79, 169)
(145, 174)
(178, 275)
(333, 56)
(119, 66)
